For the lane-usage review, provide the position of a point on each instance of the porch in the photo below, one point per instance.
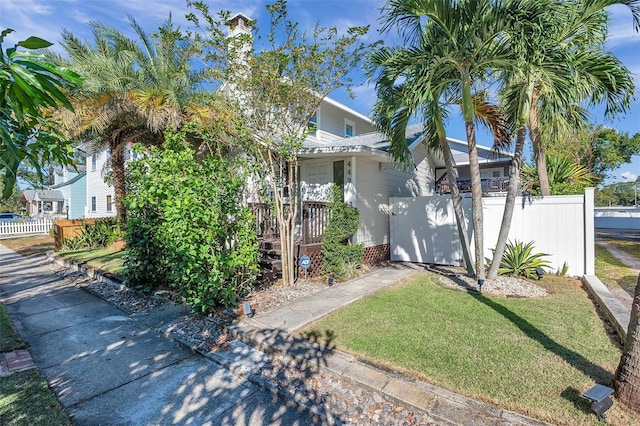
(494, 186)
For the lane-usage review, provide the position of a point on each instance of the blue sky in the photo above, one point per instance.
(46, 18)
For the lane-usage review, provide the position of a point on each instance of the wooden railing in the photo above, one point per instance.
(315, 215)
(464, 185)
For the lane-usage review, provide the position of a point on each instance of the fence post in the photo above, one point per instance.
(589, 233)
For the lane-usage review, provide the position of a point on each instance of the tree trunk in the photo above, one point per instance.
(627, 379)
(117, 166)
(507, 215)
(538, 152)
(476, 197)
(452, 177)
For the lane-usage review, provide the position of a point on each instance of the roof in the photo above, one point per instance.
(376, 142)
(43, 195)
(70, 181)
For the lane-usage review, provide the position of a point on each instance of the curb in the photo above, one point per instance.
(617, 314)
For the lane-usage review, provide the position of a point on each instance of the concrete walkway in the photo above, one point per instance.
(107, 368)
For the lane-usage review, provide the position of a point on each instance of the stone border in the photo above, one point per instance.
(614, 310)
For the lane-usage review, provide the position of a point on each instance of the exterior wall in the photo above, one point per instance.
(96, 187)
(331, 123)
(617, 218)
(424, 230)
(375, 183)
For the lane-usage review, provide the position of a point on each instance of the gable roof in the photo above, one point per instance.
(42, 195)
(70, 181)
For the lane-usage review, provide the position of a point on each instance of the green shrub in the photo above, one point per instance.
(187, 226)
(340, 257)
(100, 234)
(518, 260)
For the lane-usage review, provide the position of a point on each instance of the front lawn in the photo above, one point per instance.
(28, 246)
(108, 259)
(534, 356)
(25, 397)
(611, 271)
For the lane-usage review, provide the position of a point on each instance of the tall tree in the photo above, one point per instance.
(454, 45)
(627, 379)
(31, 85)
(277, 85)
(555, 62)
(133, 90)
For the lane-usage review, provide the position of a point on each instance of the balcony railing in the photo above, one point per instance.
(489, 185)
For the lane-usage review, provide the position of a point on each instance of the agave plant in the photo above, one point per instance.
(520, 261)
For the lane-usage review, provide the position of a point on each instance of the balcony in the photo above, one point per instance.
(493, 186)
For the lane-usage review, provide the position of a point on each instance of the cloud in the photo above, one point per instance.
(629, 177)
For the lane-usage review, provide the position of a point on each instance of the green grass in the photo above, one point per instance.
(25, 397)
(534, 356)
(108, 259)
(10, 340)
(611, 271)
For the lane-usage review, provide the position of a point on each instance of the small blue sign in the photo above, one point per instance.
(305, 262)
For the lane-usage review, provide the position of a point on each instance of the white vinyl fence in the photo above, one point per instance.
(424, 229)
(41, 226)
(617, 218)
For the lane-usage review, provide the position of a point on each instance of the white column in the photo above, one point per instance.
(350, 196)
(589, 233)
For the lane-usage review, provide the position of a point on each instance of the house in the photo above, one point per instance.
(73, 186)
(362, 167)
(65, 198)
(99, 197)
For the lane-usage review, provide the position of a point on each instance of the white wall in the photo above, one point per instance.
(377, 181)
(617, 218)
(423, 229)
(96, 187)
(331, 121)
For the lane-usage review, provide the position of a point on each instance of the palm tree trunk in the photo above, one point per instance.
(476, 200)
(538, 152)
(512, 190)
(117, 165)
(627, 379)
(452, 177)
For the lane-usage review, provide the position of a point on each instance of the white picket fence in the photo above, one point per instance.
(41, 226)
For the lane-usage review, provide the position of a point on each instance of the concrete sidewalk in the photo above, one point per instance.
(107, 368)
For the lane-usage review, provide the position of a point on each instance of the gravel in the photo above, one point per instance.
(336, 401)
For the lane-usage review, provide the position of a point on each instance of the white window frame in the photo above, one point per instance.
(94, 162)
(109, 203)
(94, 204)
(348, 122)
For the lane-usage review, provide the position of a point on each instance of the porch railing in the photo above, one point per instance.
(315, 216)
(500, 184)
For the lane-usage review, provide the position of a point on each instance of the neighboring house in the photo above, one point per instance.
(73, 186)
(43, 202)
(65, 196)
(100, 198)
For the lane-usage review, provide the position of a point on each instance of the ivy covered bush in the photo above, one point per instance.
(340, 257)
(187, 227)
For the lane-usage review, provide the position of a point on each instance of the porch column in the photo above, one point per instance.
(350, 196)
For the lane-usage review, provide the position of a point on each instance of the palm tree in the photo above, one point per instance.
(555, 62)
(450, 54)
(133, 90)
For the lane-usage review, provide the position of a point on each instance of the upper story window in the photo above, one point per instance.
(349, 128)
(94, 162)
(313, 125)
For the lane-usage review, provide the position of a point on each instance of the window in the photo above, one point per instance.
(109, 203)
(94, 161)
(93, 204)
(349, 128)
(313, 125)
